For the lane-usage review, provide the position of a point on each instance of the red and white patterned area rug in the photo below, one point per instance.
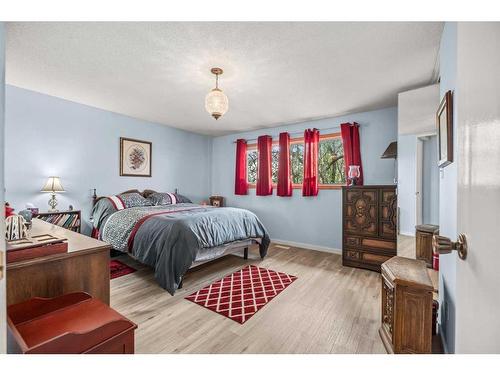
(117, 269)
(240, 295)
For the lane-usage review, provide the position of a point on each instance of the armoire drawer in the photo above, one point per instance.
(365, 256)
(375, 258)
(352, 241)
(353, 254)
(370, 244)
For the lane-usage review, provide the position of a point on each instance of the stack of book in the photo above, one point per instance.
(68, 220)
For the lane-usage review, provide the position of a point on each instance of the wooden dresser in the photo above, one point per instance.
(84, 268)
(368, 225)
(407, 289)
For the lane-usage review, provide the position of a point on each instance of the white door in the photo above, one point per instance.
(477, 310)
(418, 181)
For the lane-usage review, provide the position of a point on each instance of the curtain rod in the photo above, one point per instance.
(301, 133)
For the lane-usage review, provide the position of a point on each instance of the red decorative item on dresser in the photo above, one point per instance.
(240, 295)
(264, 170)
(310, 184)
(284, 170)
(240, 181)
(352, 149)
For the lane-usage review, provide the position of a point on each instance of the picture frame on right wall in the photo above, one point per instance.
(444, 123)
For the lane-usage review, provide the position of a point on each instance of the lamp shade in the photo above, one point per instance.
(53, 185)
(391, 152)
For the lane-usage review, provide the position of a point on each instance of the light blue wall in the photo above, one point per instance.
(430, 181)
(308, 220)
(51, 136)
(407, 182)
(448, 192)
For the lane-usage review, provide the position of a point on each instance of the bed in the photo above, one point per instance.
(169, 233)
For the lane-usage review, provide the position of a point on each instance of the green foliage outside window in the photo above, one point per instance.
(297, 162)
(275, 153)
(252, 163)
(331, 168)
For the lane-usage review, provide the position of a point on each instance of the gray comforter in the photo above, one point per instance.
(168, 238)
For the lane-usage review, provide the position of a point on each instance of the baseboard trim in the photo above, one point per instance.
(409, 234)
(324, 249)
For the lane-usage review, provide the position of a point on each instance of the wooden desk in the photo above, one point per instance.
(84, 268)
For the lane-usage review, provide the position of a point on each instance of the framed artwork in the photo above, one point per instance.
(135, 157)
(444, 122)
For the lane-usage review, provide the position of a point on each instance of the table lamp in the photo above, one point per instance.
(53, 186)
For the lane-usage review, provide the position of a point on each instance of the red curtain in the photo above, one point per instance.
(264, 171)
(352, 150)
(284, 170)
(240, 181)
(311, 143)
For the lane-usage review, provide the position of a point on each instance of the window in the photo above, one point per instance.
(252, 163)
(331, 167)
(297, 162)
(275, 154)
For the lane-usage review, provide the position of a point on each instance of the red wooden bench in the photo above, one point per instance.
(70, 324)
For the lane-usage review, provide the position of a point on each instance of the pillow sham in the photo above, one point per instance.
(182, 199)
(161, 199)
(134, 200)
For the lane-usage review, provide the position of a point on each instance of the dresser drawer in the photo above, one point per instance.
(370, 244)
(366, 256)
(374, 243)
(352, 241)
(352, 254)
(375, 258)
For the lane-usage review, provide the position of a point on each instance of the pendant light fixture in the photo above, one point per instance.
(216, 102)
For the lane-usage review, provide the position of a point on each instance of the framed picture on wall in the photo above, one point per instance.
(444, 122)
(135, 157)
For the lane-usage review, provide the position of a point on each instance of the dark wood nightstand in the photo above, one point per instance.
(71, 220)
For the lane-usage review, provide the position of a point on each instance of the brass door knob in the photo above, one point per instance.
(443, 245)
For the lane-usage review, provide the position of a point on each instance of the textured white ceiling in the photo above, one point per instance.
(274, 73)
(417, 110)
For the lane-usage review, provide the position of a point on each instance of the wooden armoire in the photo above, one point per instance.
(368, 225)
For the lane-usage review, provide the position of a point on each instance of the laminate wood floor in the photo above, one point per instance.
(328, 309)
(406, 246)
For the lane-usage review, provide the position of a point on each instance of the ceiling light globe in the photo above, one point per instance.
(216, 103)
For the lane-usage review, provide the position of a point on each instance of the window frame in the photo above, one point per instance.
(253, 147)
